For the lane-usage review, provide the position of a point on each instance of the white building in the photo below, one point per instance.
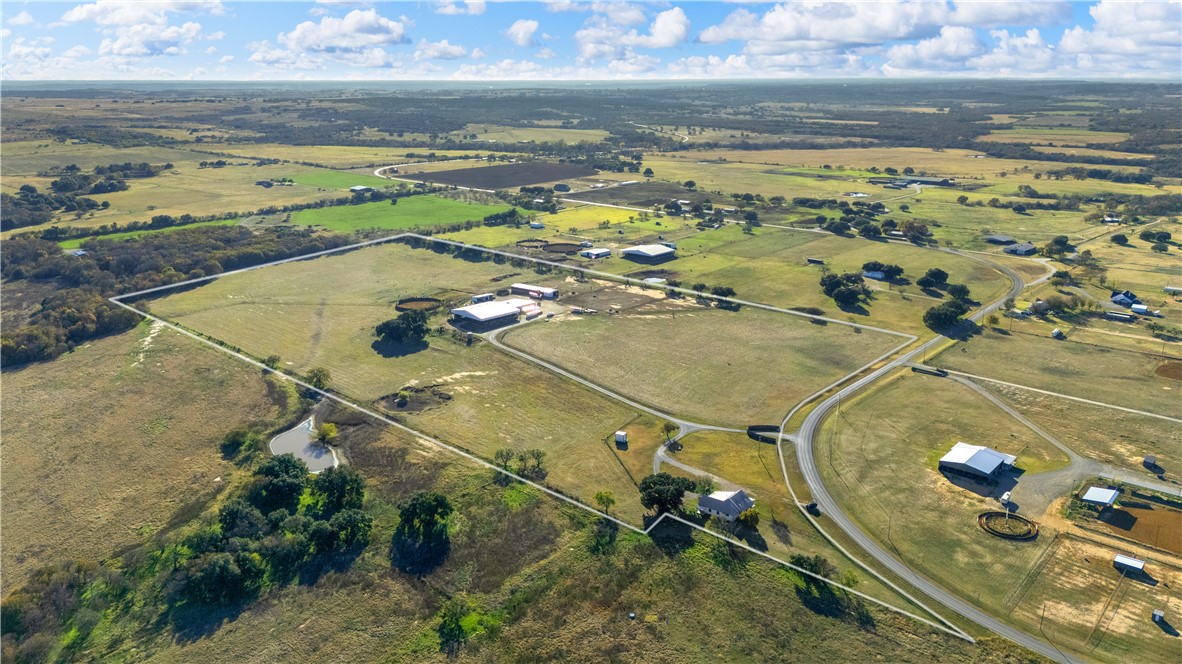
(596, 253)
(649, 252)
(1099, 497)
(539, 292)
(726, 505)
(975, 461)
(488, 312)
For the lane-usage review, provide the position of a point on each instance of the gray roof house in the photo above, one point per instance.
(727, 505)
(1023, 249)
(1124, 298)
(1000, 239)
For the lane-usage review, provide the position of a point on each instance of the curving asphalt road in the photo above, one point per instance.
(804, 441)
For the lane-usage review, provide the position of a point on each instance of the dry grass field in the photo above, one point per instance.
(701, 363)
(107, 445)
(1108, 375)
(1112, 436)
(322, 313)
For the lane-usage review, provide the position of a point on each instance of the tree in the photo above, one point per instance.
(605, 500)
(962, 199)
(279, 482)
(870, 231)
(945, 315)
(327, 433)
(1148, 235)
(648, 172)
(992, 320)
(537, 456)
(241, 519)
(421, 541)
(214, 578)
(937, 275)
(408, 327)
(722, 291)
(1161, 247)
(352, 527)
(959, 291)
(669, 428)
(846, 297)
(319, 378)
(338, 488)
(503, 457)
(664, 492)
(272, 361)
(749, 518)
(690, 184)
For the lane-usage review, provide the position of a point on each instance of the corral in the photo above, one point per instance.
(507, 175)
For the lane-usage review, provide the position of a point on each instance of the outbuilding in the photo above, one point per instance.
(360, 189)
(726, 505)
(536, 225)
(975, 462)
(599, 252)
(538, 292)
(1128, 564)
(1023, 249)
(649, 253)
(488, 313)
(621, 436)
(1173, 290)
(483, 297)
(877, 275)
(1000, 239)
(1099, 497)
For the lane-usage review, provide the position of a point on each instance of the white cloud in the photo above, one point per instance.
(995, 14)
(503, 70)
(477, 54)
(1127, 29)
(22, 49)
(150, 39)
(546, 54)
(602, 40)
(440, 50)
(946, 50)
(1026, 53)
(226, 58)
(216, 36)
(5, 33)
(522, 32)
(471, 7)
(23, 18)
(620, 13)
(211, 50)
(132, 13)
(358, 30)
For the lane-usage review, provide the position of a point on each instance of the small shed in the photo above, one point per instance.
(814, 261)
(1159, 615)
(1150, 461)
(877, 275)
(360, 189)
(621, 436)
(536, 224)
(1128, 563)
(483, 297)
(1099, 497)
(1000, 239)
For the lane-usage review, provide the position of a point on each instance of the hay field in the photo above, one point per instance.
(105, 446)
(321, 313)
(703, 364)
(900, 430)
(1108, 375)
(1054, 135)
(498, 134)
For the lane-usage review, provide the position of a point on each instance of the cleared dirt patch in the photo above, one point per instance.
(561, 247)
(1171, 370)
(509, 175)
(413, 399)
(1155, 526)
(1009, 526)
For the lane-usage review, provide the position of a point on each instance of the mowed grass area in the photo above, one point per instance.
(322, 313)
(879, 457)
(1111, 436)
(27, 158)
(701, 363)
(499, 134)
(1108, 375)
(755, 467)
(770, 267)
(411, 212)
(106, 445)
(338, 179)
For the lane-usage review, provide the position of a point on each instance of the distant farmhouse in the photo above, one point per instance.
(1024, 249)
(359, 189)
(976, 462)
(1124, 298)
(727, 505)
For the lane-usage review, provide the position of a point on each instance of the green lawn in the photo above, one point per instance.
(411, 212)
(338, 179)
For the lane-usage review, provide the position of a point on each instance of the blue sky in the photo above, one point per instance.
(567, 40)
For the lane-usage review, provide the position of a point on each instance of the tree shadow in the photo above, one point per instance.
(781, 531)
(602, 539)
(191, 622)
(419, 556)
(932, 292)
(312, 571)
(390, 349)
(1118, 518)
(856, 309)
(962, 331)
(752, 538)
(671, 537)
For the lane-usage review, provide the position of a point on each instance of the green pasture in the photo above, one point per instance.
(410, 212)
(77, 242)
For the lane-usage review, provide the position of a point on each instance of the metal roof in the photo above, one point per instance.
(1102, 496)
(1128, 561)
(977, 458)
(731, 503)
(486, 311)
(648, 250)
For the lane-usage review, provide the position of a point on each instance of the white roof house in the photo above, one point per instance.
(649, 251)
(542, 292)
(596, 253)
(1128, 563)
(360, 188)
(1098, 496)
(725, 504)
(487, 311)
(975, 460)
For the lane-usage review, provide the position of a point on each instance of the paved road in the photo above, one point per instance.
(831, 510)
